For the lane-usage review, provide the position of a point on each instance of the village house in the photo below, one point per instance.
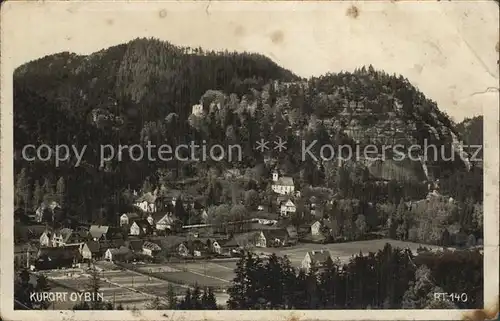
(98, 232)
(117, 254)
(196, 247)
(41, 211)
(182, 250)
(282, 185)
(318, 258)
(164, 204)
(24, 254)
(248, 240)
(46, 238)
(57, 257)
(90, 250)
(161, 221)
(215, 247)
(135, 245)
(66, 237)
(287, 208)
(147, 202)
(126, 218)
(204, 215)
(140, 228)
(293, 235)
(150, 248)
(276, 238)
(316, 228)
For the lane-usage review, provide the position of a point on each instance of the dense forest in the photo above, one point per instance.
(143, 91)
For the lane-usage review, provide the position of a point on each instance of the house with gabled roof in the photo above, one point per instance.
(98, 232)
(276, 238)
(66, 237)
(147, 202)
(318, 258)
(150, 248)
(115, 254)
(161, 221)
(140, 228)
(135, 245)
(90, 250)
(248, 240)
(127, 218)
(287, 208)
(46, 237)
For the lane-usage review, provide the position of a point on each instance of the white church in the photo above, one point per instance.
(282, 185)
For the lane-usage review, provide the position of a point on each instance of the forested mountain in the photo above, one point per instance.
(144, 91)
(471, 130)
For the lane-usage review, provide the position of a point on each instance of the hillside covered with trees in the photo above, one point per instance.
(144, 91)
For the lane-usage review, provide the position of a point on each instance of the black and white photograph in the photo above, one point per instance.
(194, 160)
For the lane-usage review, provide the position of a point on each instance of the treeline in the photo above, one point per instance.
(388, 279)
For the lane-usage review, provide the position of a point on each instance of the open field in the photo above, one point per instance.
(137, 288)
(74, 281)
(343, 251)
(220, 273)
(205, 273)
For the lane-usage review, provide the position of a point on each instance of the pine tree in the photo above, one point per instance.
(146, 186)
(23, 288)
(155, 304)
(238, 289)
(273, 283)
(328, 284)
(93, 286)
(48, 190)
(210, 302)
(22, 194)
(171, 297)
(196, 298)
(61, 191)
(312, 288)
(37, 195)
(420, 294)
(186, 303)
(42, 285)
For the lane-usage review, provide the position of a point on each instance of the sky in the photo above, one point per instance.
(446, 49)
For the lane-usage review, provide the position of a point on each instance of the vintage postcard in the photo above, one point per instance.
(193, 160)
